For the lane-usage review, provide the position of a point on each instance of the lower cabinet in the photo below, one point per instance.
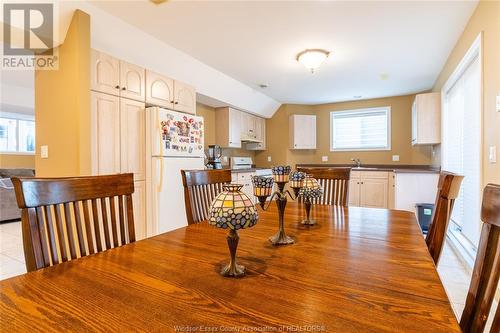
(245, 179)
(369, 189)
(139, 202)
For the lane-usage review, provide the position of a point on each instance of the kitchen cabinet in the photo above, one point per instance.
(413, 188)
(369, 189)
(159, 90)
(260, 130)
(116, 77)
(139, 204)
(184, 98)
(132, 138)
(426, 119)
(104, 73)
(132, 81)
(105, 133)
(248, 127)
(228, 127)
(118, 135)
(302, 131)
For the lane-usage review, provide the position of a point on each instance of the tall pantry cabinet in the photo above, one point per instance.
(118, 129)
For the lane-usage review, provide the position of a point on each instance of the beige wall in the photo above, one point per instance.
(277, 135)
(17, 161)
(208, 113)
(486, 19)
(62, 106)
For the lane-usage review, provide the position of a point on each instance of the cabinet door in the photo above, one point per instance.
(139, 204)
(159, 90)
(104, 73)
(260, 135)
(303, 132)
(133, 137)
(234, 128)
(184, 98)
(252, 126)
(132, 81)
(374, 192)
(244, 125)
(105, 134)
(354, 190)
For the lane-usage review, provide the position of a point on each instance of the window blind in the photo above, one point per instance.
(461, 147)
(363, 129)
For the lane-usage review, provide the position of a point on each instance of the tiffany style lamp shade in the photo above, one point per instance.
(233, 210)
(310, 190)
(297, 181)
(262, 188)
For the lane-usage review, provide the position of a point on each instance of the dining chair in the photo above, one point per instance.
(447, 191)
(68, 218)
(200, 189)
(335, 183)
(486, 267)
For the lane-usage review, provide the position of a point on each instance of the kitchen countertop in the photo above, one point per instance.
(380, 167)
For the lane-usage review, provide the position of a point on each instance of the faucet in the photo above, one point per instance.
(357, 161)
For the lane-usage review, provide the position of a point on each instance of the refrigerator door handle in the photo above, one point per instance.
(158, 123)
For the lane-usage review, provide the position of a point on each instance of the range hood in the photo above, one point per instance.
(254, 140)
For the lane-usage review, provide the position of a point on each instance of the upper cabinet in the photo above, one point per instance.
(132, 81)
(119, 78)
(159, 90)
(302, 131)
(105, 73)
(260, 135)
(228, 127)
(184, 98)
(165, 92)
(426, 119)
(248, 127)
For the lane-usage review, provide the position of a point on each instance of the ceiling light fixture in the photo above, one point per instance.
(312, 58)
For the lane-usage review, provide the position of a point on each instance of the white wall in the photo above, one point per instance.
(118, 38)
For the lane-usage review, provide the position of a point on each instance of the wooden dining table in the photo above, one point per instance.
(357, 270)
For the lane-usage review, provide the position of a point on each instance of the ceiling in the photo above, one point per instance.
(377, 48)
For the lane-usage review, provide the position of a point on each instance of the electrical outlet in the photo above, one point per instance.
(498, 103)
(493, 154)
(44, 151)
(324, 158)
(395, 158)
(269, 158)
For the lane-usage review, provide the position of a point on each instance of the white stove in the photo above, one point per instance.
(241, 163)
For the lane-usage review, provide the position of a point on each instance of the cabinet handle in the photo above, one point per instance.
(124, 88)
(362, 183)
(176, 103)
(172, 102)
(117, 87)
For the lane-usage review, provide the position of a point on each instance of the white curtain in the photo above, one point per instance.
(461, 147)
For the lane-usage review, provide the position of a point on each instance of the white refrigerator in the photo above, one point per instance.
(174, 141)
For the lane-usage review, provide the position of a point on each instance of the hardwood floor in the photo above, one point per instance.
(452, 271)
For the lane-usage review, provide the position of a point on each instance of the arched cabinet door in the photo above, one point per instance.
(159, 90)
(185, 98)
(132, 81)
(105, 73)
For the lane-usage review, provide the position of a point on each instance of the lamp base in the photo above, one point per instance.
(233, 270)
(308, 222)
(281, 239)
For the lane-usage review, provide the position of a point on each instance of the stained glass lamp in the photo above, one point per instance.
(262, 188)
(310, 190)
(280, 175)
(297, 181)
(233, 210)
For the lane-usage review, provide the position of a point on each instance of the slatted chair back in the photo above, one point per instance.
(335, 183)
(486, 268)
(448, 190)
(69, 218)
(200, 189)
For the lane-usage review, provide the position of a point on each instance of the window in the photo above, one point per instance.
(17, 133)
(461, 144)
(361, 129)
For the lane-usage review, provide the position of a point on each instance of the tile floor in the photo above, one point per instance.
(453, 272)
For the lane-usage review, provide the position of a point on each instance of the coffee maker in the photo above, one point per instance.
(214, 156)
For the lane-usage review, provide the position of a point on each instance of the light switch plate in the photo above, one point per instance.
(493, 154)
(269, 158)
(498, 103)
(324, 158)
(395, 158)
(44, 151)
